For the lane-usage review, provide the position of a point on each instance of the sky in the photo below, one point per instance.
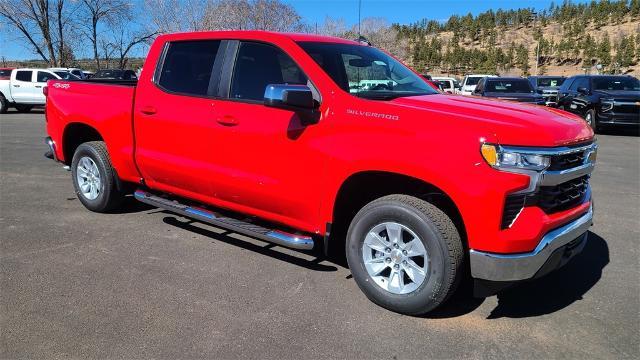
(315, 11)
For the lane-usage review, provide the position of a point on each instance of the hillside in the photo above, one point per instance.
(571, 39)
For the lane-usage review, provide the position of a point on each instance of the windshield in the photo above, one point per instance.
(472, 80)
(556, 81)
(366, 72)
(508, 86)
(616, 83)
(5, 72)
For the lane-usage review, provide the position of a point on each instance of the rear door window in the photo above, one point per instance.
(24, 75)
(187, 67)
(258, 65)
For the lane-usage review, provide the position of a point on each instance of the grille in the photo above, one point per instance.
(512, 207)
(566, 161)
(563, 196)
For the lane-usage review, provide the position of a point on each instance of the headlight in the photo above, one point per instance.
(606, 105)
(500, 158)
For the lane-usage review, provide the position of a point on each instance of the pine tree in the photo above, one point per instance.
(522, 58)
(604, 51)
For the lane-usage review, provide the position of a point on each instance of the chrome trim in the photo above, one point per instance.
(564, 150)
(52, 147)
(294, 241)
(632, 103)
(514, 267)
(551, 177)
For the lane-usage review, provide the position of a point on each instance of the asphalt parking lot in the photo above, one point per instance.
(144, 283)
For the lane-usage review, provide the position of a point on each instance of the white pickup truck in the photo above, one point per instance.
(23, 90)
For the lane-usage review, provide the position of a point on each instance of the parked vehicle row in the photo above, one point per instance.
(315, 142)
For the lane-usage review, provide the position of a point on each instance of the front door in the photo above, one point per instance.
(272, 163)
(40, 82)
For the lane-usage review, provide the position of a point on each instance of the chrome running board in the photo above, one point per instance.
(278, 237)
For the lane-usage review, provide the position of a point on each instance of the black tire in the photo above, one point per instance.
(109, 197)
(594, 121)
(23, 108)
(4, 105)
(439, 237)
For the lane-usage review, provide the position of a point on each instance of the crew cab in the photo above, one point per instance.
(602, 100)
(24, 89)
(321, 144)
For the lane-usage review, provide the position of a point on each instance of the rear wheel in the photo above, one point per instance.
(23, 108)
(4, 105)
(94, 179)
(405, 254)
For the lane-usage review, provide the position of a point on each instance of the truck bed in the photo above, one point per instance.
(106, 106)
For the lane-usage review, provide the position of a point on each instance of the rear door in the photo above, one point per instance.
(174, 120)
(22, 86)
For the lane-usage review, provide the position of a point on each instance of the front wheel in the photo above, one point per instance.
(591, 119)
(405, 254)
(94, 179)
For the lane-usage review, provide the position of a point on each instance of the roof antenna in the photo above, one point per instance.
(359, 11)
(361, 39)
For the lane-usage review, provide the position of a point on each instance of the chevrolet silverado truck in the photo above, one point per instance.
(322, 144)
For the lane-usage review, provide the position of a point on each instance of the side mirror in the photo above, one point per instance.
(583, 90)
(298, 98)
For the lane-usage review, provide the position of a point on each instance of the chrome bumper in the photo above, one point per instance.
(51, 154)
(515, 267)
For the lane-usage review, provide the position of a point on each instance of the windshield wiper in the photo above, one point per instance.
(387, 96)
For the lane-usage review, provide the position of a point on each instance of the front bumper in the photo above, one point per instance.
(523, 266)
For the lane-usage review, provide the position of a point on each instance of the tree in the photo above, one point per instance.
(604, 51)
(102, 11)
(522, 59)
(43, 23)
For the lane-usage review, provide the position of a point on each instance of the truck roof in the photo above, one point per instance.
(254, 35)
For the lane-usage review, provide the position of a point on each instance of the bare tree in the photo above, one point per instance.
(42, 23)
(177, 15)
(126, 39)
(103, 12)
(333, 27)
(193, 15)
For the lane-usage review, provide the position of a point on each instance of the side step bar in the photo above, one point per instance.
(294, 241)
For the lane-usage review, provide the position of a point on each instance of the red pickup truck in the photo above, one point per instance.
(317, 142)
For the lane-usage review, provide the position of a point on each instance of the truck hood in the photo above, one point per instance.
(509, 122)
(620, 94)
(522, 97)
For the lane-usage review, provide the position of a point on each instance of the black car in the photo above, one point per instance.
(115, 74)
(547, 86)
(602, 100)
(508, 88)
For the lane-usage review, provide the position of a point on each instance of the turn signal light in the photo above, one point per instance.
(490, 154)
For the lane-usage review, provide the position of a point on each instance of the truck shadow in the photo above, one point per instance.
(622, 131)
(267, 249)
(542, 296)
